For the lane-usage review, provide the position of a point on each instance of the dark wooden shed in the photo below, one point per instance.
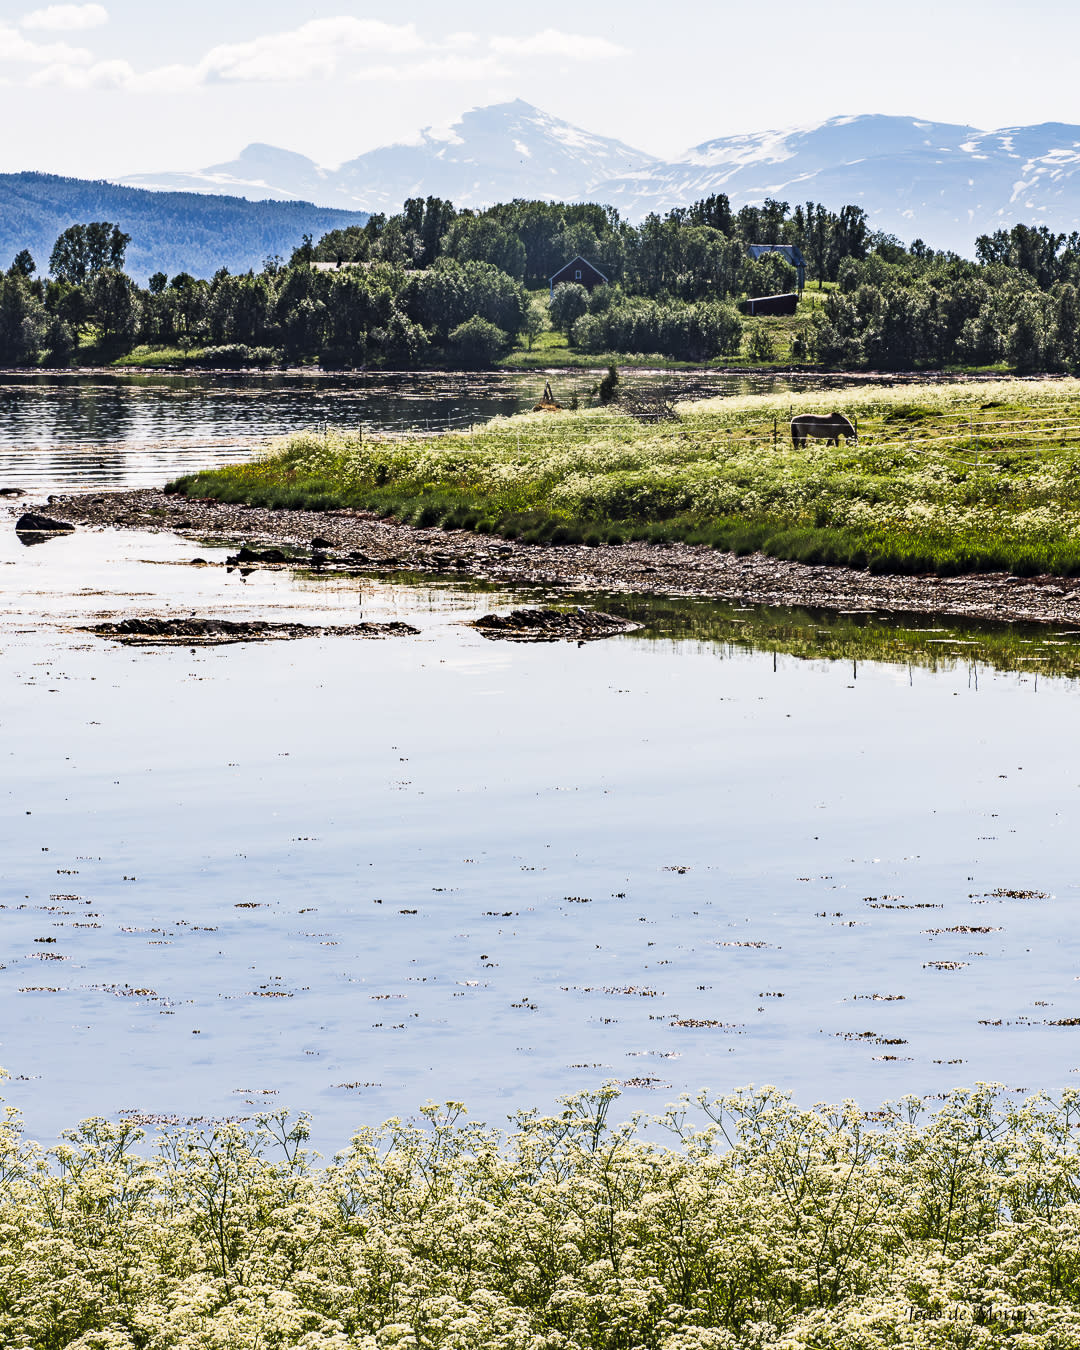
(772, 304)
(579, 271)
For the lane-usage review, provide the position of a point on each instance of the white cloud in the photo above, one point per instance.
(314, 50)
(98, 75)
(460, 42)
(15, 47)
(552, 42)
(345, 47)
(67, 18)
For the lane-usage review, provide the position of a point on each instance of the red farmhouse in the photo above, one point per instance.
(581, 272)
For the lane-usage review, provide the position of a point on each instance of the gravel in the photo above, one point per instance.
(360, 542)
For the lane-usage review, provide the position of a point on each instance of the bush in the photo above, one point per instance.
(569, 302)
(760, 345)
(477, 343)
(235, 354)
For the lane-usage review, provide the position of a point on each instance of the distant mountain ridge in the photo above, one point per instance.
(944, 182)
(492, 154)
(170, 231)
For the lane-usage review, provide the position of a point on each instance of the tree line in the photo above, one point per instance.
(469, 312)
(1018, 305)
(433, 284)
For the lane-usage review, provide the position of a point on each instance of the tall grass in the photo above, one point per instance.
(945, 478)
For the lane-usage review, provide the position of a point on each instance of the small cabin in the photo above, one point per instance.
(772, 304)
(792, 252)
(580, 272)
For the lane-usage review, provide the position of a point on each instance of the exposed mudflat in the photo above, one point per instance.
(356, 541)
(215, 632)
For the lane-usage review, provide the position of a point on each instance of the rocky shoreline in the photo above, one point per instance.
(357, 541)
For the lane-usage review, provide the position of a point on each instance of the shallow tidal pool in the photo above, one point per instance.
(346, 876)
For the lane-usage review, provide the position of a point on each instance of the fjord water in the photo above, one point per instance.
(835, 853)
(347, 876)
(64, 432)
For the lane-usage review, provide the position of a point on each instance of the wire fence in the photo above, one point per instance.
(967, 436)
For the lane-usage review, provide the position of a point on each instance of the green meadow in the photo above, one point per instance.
(945, 478)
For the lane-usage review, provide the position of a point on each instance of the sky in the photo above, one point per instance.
(125, 86)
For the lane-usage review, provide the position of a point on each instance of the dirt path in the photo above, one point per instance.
(677, 569)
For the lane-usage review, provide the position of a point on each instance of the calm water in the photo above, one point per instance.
(348, 876)
(92, 431)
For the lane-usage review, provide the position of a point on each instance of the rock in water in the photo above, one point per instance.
(195, 632)
(34, 524)
(248, 554)
(552, 625)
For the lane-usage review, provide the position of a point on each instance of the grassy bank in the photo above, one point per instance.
(764, 1226)
(955, 478)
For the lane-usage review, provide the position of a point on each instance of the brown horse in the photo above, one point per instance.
(820, 426)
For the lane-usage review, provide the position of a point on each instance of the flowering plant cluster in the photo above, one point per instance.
(732, 1224)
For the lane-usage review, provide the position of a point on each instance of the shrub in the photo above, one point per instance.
(477, 343)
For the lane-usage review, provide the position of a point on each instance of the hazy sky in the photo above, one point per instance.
(100, 90)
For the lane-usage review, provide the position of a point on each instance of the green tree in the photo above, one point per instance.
(534, 325)
(304, 253)
(23, 321)
(451, 292)
(569, 301)
(713, 212)
(82, 250)
(115, 302)
(771, 274)
(59, 342)
(476, 343)
(485, 239)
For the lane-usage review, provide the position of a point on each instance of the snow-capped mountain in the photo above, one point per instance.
(259, 173)
(492, 154)
(944, 182)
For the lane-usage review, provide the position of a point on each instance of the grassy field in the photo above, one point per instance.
(947, 478)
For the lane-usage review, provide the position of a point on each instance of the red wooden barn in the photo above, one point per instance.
(581, 272)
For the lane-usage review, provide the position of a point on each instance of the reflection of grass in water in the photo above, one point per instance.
(821, 635)
(807, 634)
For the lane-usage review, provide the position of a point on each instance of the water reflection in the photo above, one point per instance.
(355, 875)
(59, 432)
(854, 636)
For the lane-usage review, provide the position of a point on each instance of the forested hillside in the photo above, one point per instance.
(170, 231)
